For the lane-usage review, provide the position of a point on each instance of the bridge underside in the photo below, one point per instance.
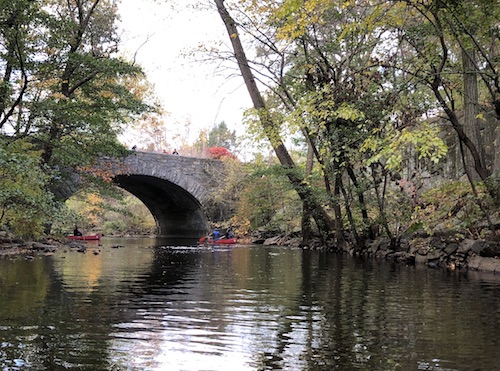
(176, 211)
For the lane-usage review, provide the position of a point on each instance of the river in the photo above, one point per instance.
(147, 304)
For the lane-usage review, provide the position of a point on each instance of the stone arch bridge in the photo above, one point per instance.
(177, 190)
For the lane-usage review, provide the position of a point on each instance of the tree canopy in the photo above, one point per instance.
(64, 87)
(372, 87)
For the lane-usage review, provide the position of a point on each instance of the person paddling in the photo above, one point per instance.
(76, 232)
(215, 234)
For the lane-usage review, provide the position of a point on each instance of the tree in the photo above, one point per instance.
(19, 43)
(64, 86)
(221, 136)
(323, 65)
(219, 152)
(218, 136)
(76, 92)
(25, 203)
(452, 46)
(322, 219)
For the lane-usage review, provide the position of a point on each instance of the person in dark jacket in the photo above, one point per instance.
(76, 232)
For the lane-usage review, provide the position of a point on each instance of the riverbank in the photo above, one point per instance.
(13, 247)
(444, 251)
(439, 251)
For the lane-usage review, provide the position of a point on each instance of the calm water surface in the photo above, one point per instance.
(154, 305)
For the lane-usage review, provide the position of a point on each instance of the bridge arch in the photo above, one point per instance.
(173, 188)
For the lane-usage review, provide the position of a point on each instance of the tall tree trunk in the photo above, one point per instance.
(322, 219)
(306, 213)
(479, 166)
(350, 218)
(367, 232)
(471, 102)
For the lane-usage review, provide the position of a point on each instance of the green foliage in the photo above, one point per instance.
(267, 200)
(66, 91)
(25, 203)
(117, 214)
(221, 136)
(450, 206)
(392, 147)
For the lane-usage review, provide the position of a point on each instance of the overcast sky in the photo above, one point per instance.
(159, 34)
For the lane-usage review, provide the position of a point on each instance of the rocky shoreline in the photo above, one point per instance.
(30, 249)
(444, 252)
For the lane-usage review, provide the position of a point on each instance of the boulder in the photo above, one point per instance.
(451, 248)
(465, 246)
(478, 246)
(420, 259)
(490, 249)
(483, 264)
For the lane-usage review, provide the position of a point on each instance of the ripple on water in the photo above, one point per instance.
(241, 308)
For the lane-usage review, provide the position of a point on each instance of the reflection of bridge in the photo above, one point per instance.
(175, 189)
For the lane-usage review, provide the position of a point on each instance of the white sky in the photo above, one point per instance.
(188, 90)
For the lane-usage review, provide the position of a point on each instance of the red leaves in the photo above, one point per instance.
(219, 152)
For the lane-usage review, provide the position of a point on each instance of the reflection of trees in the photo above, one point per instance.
(279, 308)
(377, 316)
(23, 287)
(67, 308)
(348, 313)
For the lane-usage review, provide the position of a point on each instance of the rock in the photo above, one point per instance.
(373, 247)
(434, 254)
(450, 248)
(477, 246)
(44, 247)
(433, 263)
(423, 250)
(421, 259)
(465, 246)
(385, 244)
(257, 241)
(293, 242)
(272, 241)
(479, 263)
(491, 249)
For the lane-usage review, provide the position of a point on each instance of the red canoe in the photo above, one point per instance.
(94, 237)
(220, 241)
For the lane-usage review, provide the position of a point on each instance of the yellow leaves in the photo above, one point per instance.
(393, 146)
(106, 94)
(104, 171)
(297, 15)
(59, 96)
(349, 112)
(480, 116)
(93, 208)
(234, 35)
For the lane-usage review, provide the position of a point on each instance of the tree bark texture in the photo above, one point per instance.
(471, 103)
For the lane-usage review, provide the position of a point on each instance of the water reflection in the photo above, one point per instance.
(142, 304)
